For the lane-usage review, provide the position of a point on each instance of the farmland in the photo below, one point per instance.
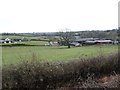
(12, 55)
(20, 37)
(77, 73)
(37, 64)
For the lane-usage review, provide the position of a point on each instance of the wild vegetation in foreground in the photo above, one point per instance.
(85, 73)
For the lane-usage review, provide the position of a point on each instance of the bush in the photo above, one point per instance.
(35, 74)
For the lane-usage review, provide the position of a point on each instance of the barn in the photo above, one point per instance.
(92, 41)
(7, 40)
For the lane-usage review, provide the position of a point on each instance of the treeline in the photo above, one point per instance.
(107, 34)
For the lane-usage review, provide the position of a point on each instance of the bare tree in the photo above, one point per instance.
(67, 36)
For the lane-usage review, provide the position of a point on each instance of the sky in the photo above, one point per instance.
(20, 16)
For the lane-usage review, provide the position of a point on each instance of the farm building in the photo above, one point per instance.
(7, 40)
(99, 42)
(53, 43)
(2, 41)
(75, 44)
(83, 40)
(17, 40)
(104, 41)
(92, 41)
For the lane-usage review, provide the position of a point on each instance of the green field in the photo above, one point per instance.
(21, 37)
(27, 43)
(12, 55)
(34, 42)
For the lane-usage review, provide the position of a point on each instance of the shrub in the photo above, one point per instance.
(35, 74)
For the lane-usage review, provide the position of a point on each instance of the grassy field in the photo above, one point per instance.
(12, 55)
(21, 37)
(34, 43)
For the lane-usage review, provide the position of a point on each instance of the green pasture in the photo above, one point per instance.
(26, 43)
(12, 55)
(34, 42)
(21, 37)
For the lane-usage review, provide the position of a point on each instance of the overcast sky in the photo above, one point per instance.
(54, 15)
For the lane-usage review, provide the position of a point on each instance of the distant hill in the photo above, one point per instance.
(108, 34)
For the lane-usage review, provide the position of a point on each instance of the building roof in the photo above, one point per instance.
(7, 39)
(99, 41)
(103, 40)
(86, 39)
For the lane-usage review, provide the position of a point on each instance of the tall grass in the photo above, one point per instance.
(35, 74)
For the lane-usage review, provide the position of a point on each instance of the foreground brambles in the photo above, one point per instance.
(91, 82)
(85, 73)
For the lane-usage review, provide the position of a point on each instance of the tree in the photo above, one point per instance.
(66, 36)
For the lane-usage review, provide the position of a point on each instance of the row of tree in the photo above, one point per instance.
(109, 34)
(66, 35)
